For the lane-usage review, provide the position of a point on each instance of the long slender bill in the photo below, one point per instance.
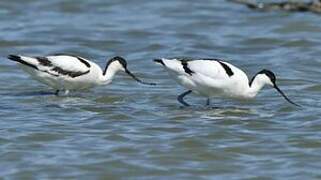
(138, 80)
(285, 97)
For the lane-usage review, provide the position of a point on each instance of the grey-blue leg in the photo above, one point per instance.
(57, 92)
(208, 102)
(180, 98)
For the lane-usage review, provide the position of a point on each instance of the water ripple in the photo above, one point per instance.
(143, 132)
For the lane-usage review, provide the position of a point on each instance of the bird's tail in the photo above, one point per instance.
(160, 61)
(172, 65)
(22, 60)
(14, 57)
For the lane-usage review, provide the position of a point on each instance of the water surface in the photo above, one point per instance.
(127, 130)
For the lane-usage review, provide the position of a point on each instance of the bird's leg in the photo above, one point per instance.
(208, 102)
(180, 98)
(57, 92)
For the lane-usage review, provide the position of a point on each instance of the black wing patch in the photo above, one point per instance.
(83, 61)
(185, 61)
(72, 74)
(46, 62)
(186, 68)
(227, 69)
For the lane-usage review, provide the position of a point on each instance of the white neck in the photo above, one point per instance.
(112, 69)
(255, 87)
(257, 84)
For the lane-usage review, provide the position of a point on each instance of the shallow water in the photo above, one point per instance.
(129, 130)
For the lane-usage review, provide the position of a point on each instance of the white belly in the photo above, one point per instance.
(62, 82)
(209, 87)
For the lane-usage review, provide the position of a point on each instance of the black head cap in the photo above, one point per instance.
(269, 74)
(272, 77)
(121, 60)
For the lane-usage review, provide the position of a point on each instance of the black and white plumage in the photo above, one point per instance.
(214, 77)
(68, 72)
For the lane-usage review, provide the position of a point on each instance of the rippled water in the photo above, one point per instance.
(128, 130)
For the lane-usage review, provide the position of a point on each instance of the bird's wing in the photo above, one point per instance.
(211, 68)
(66, 64)
(56, 65)
(215, 69)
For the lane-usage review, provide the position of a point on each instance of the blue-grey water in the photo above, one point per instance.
(130, 131)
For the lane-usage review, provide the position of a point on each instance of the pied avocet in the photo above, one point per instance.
(214, 77)
(64, 72)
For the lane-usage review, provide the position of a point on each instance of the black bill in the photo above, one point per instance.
(285, 97)
(138, 80)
